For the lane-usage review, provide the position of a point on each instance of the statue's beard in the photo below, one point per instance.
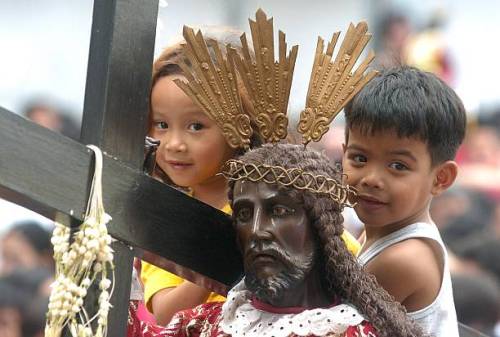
(273, 289)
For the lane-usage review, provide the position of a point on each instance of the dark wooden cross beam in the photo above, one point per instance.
(51, 174)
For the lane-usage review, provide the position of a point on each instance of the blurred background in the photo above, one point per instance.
(43, 65)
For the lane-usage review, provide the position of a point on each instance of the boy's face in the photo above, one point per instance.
(394, 178)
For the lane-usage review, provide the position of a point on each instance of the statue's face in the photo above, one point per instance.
(275, 237)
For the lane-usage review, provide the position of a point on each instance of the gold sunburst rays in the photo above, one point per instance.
(267, 81)
(214, 87)
(332, 83)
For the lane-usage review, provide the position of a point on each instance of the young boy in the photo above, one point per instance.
(402, 133)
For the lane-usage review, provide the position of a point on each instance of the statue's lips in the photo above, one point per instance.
(262, 257)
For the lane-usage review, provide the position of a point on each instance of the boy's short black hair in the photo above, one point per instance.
(414, 103)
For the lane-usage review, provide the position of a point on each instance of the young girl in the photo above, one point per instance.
(192, 150)
(191, 153)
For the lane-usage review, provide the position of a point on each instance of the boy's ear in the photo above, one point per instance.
(445, 176)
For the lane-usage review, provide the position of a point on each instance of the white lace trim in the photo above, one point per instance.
(241, 318)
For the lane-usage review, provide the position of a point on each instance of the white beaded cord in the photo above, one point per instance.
(79, 262)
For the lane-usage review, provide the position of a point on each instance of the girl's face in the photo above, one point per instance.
(10, 322)
(193, 148)
(17, 252)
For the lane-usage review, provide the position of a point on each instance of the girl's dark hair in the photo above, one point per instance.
(414, 103)
(344, 276)
(168, 61)
(29, 280)
(35, 234)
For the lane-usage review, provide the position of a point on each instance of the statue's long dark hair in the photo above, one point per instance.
(345, 277)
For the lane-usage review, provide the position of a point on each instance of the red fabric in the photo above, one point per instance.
(204, 320)
(185, 323)
(144, 315)
(364, 329)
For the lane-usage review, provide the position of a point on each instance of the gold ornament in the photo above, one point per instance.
(213, 86)
(267, 81)
(332, 84)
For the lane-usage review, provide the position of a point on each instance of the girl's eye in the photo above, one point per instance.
(161, 125)
(196, 126)
(398, 166)
(243, 214)
(281, 211)
(359, 158)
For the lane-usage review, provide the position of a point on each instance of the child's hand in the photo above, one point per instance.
(150, 147)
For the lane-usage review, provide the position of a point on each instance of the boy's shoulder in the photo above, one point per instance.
(408, 267)
(412, 253)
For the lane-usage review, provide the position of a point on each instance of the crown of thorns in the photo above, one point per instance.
(343, 195)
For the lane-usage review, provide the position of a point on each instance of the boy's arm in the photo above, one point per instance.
(410, 271)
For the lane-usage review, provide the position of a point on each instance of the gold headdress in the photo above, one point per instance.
(268, 82)
(332, 84)
(213, 86)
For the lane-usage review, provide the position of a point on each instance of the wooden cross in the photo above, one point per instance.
(51, 174)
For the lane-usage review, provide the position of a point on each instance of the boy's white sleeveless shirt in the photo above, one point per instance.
(438, 319)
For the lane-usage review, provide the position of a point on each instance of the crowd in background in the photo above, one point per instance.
(468, 215)
(26, 262)
(26, 271)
